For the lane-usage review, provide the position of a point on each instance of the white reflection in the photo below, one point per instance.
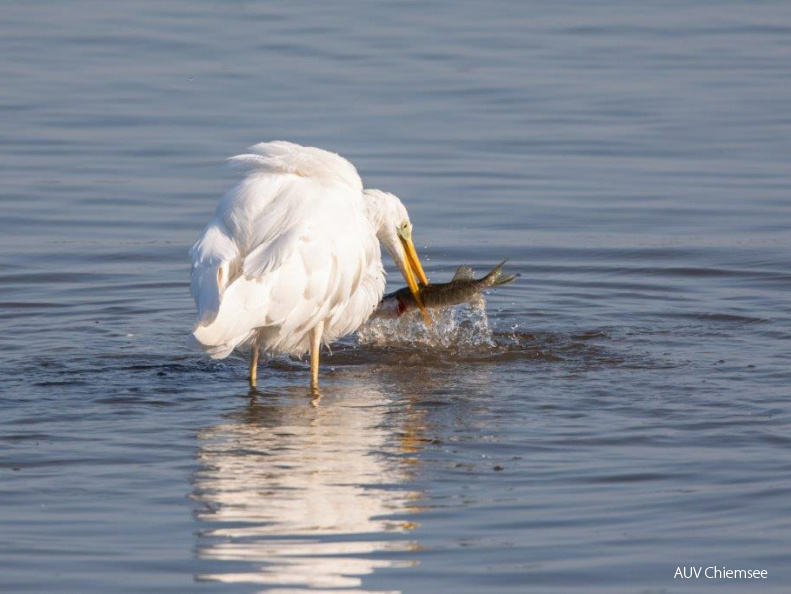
(305, 498)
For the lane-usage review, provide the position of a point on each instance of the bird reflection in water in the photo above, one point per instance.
(301, 497)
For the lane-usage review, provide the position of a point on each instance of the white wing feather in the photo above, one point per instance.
(212, 258)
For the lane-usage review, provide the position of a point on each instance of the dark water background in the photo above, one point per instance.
(632, 159)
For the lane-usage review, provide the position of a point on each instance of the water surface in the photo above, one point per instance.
(624, 409)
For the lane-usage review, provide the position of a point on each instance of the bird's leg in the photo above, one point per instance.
(315, 346)
(254, 366)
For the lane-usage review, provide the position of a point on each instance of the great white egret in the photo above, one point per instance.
(292, 257)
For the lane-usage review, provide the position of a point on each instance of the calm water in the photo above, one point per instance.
(629, 413)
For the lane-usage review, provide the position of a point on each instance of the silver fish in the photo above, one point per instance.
(461, 289)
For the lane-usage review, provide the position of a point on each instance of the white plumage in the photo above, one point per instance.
(294, 251)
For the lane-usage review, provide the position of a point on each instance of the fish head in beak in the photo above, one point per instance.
(411, 268)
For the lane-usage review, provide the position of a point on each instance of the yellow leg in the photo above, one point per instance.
(254, 367)
(315, 346)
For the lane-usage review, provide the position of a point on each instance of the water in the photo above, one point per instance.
(624, 410)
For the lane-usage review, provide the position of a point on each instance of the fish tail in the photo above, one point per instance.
(496, 277)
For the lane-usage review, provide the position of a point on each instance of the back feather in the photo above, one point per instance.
(280, 156)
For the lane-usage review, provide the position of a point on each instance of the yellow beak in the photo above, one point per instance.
(414, 269)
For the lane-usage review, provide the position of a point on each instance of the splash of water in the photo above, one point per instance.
(464, 327)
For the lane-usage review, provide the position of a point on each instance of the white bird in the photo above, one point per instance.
(292, 257)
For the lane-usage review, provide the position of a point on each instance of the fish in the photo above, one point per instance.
(462, 288)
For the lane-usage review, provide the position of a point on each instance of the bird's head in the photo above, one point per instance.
(394, 231)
